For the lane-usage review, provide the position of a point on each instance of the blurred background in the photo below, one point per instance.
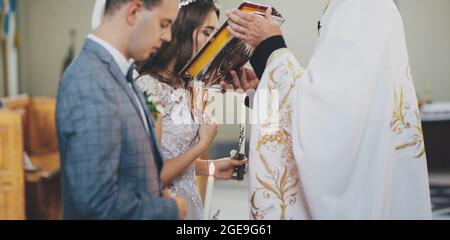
(40, 37)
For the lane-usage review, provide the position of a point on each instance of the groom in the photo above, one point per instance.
(109, 156)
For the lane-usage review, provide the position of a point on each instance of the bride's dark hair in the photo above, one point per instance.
(180, 49)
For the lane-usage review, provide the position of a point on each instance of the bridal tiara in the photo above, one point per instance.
(184, 3)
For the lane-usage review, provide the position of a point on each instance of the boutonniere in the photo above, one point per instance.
(154, 106)
(152, 98)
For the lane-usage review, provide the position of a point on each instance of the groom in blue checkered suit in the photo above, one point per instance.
(110, 160)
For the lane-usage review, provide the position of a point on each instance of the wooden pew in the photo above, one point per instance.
(12, 193)
(43, 190)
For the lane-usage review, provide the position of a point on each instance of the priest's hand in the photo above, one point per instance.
(225, 168)
(246, 81)
(252, 28)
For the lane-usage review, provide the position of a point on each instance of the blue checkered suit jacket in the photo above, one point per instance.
(110, 164)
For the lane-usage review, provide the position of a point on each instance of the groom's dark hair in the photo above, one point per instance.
(113, 5)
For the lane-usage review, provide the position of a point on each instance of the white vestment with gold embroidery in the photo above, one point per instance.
(343, 138)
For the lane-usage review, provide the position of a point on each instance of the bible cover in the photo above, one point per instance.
(223, 52)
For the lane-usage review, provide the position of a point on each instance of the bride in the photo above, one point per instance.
(185, 133)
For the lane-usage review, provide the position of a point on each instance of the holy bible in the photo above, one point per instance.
(224, 53)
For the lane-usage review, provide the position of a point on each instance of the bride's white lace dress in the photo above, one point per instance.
(179, 134)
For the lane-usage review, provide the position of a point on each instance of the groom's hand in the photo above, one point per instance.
(252, 28)
(180, 203)
(182, 212)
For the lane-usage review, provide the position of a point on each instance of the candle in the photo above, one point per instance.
(209, 192)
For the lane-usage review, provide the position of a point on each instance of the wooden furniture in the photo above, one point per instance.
(12, 194)
(38, 122)
(43, 190)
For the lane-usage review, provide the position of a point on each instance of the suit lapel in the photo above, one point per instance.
(114, 69)
(158, 159)
(124, 84)
(144, 103)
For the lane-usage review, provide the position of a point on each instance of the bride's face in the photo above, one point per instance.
(203, 33)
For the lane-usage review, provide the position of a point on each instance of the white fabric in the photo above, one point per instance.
(124, 66)
(98, 13)
(347, 141)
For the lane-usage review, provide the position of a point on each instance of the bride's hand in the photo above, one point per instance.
(225, 168)
(206, 134)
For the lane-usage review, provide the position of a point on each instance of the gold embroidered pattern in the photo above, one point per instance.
(400, 124)
(279, 184)
(282, 187)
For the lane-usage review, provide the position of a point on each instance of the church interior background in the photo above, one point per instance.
(39, 37)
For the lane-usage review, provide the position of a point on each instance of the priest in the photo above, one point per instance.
(342, 138)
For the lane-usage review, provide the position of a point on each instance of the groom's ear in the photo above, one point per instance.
(132, 9)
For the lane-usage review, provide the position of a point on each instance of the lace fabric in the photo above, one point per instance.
(179, 134)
